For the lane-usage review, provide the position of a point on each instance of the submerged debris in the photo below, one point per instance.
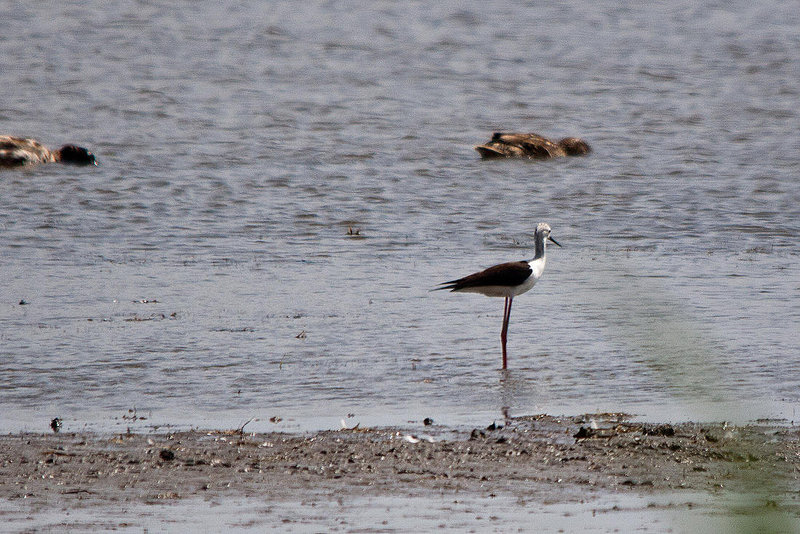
(153, 317)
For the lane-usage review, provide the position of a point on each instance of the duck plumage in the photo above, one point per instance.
(531, 145)
(19, 151)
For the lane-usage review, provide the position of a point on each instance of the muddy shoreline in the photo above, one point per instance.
(534, 460)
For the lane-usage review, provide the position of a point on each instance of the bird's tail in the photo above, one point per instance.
(451, 285)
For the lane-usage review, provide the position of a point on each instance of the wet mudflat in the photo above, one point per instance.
(600, 472)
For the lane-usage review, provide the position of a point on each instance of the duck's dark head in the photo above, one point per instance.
(574, 146)
(77, 155)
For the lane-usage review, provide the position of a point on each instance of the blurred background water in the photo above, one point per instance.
(203, 273)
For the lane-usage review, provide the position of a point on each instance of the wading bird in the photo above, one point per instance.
(507, 279)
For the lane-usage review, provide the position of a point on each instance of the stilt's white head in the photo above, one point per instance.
(543, 230)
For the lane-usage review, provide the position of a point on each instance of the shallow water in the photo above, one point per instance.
(203, 273)
(427, 511)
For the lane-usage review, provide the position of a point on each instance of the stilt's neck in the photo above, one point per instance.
(539, 244)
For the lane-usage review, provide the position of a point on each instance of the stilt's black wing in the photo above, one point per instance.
(506, 274)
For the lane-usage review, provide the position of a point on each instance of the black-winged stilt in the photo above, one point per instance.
(507, 279)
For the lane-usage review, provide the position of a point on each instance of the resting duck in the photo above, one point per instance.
(16, 152)
(530, 145)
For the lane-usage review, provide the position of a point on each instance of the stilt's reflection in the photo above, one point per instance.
(515, 389)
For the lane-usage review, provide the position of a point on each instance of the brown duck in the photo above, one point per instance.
(17, 151)
(531, 145)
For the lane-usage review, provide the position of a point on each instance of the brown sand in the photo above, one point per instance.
(536, 460)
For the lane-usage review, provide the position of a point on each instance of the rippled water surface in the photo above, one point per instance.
(203, 273)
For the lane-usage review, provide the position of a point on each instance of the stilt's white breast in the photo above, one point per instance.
(538, 268)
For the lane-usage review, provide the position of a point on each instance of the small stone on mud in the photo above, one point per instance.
(659, 430)
(477, 434)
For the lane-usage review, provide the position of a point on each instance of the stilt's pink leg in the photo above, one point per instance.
(504, 332)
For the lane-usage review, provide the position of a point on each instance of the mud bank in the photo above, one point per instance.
(496, 478)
